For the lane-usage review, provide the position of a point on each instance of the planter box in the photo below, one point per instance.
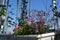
(47, 36)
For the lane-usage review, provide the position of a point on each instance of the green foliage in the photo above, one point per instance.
(4, 12)
(18, 32)
(27, 29)
(41, 30)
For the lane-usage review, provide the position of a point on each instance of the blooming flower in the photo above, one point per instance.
(18, 27)
(44, 27)
(32, 25)
(36, 31)
(42, 21)
(32, 20)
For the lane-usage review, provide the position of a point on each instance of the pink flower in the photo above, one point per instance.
(36, 31)
(38, 22)
(17, 27)
(32, 20)
(42, 21)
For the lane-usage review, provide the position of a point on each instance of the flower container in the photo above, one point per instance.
(34, 27)
(31, 32)
(46, 36)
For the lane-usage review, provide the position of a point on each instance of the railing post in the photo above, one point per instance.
(54, 3)
(1, 7)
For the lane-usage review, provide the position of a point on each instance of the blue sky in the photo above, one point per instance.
(35, 4)
(39, 4)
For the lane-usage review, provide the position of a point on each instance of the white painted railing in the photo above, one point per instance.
(46, 36)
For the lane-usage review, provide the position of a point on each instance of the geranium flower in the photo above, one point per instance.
(18, 27)
(37, 23)
(31, 25)
(32, 20)
(36, 31)
(42, 21)
(44, 26)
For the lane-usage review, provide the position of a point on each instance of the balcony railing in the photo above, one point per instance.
(47, 36)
